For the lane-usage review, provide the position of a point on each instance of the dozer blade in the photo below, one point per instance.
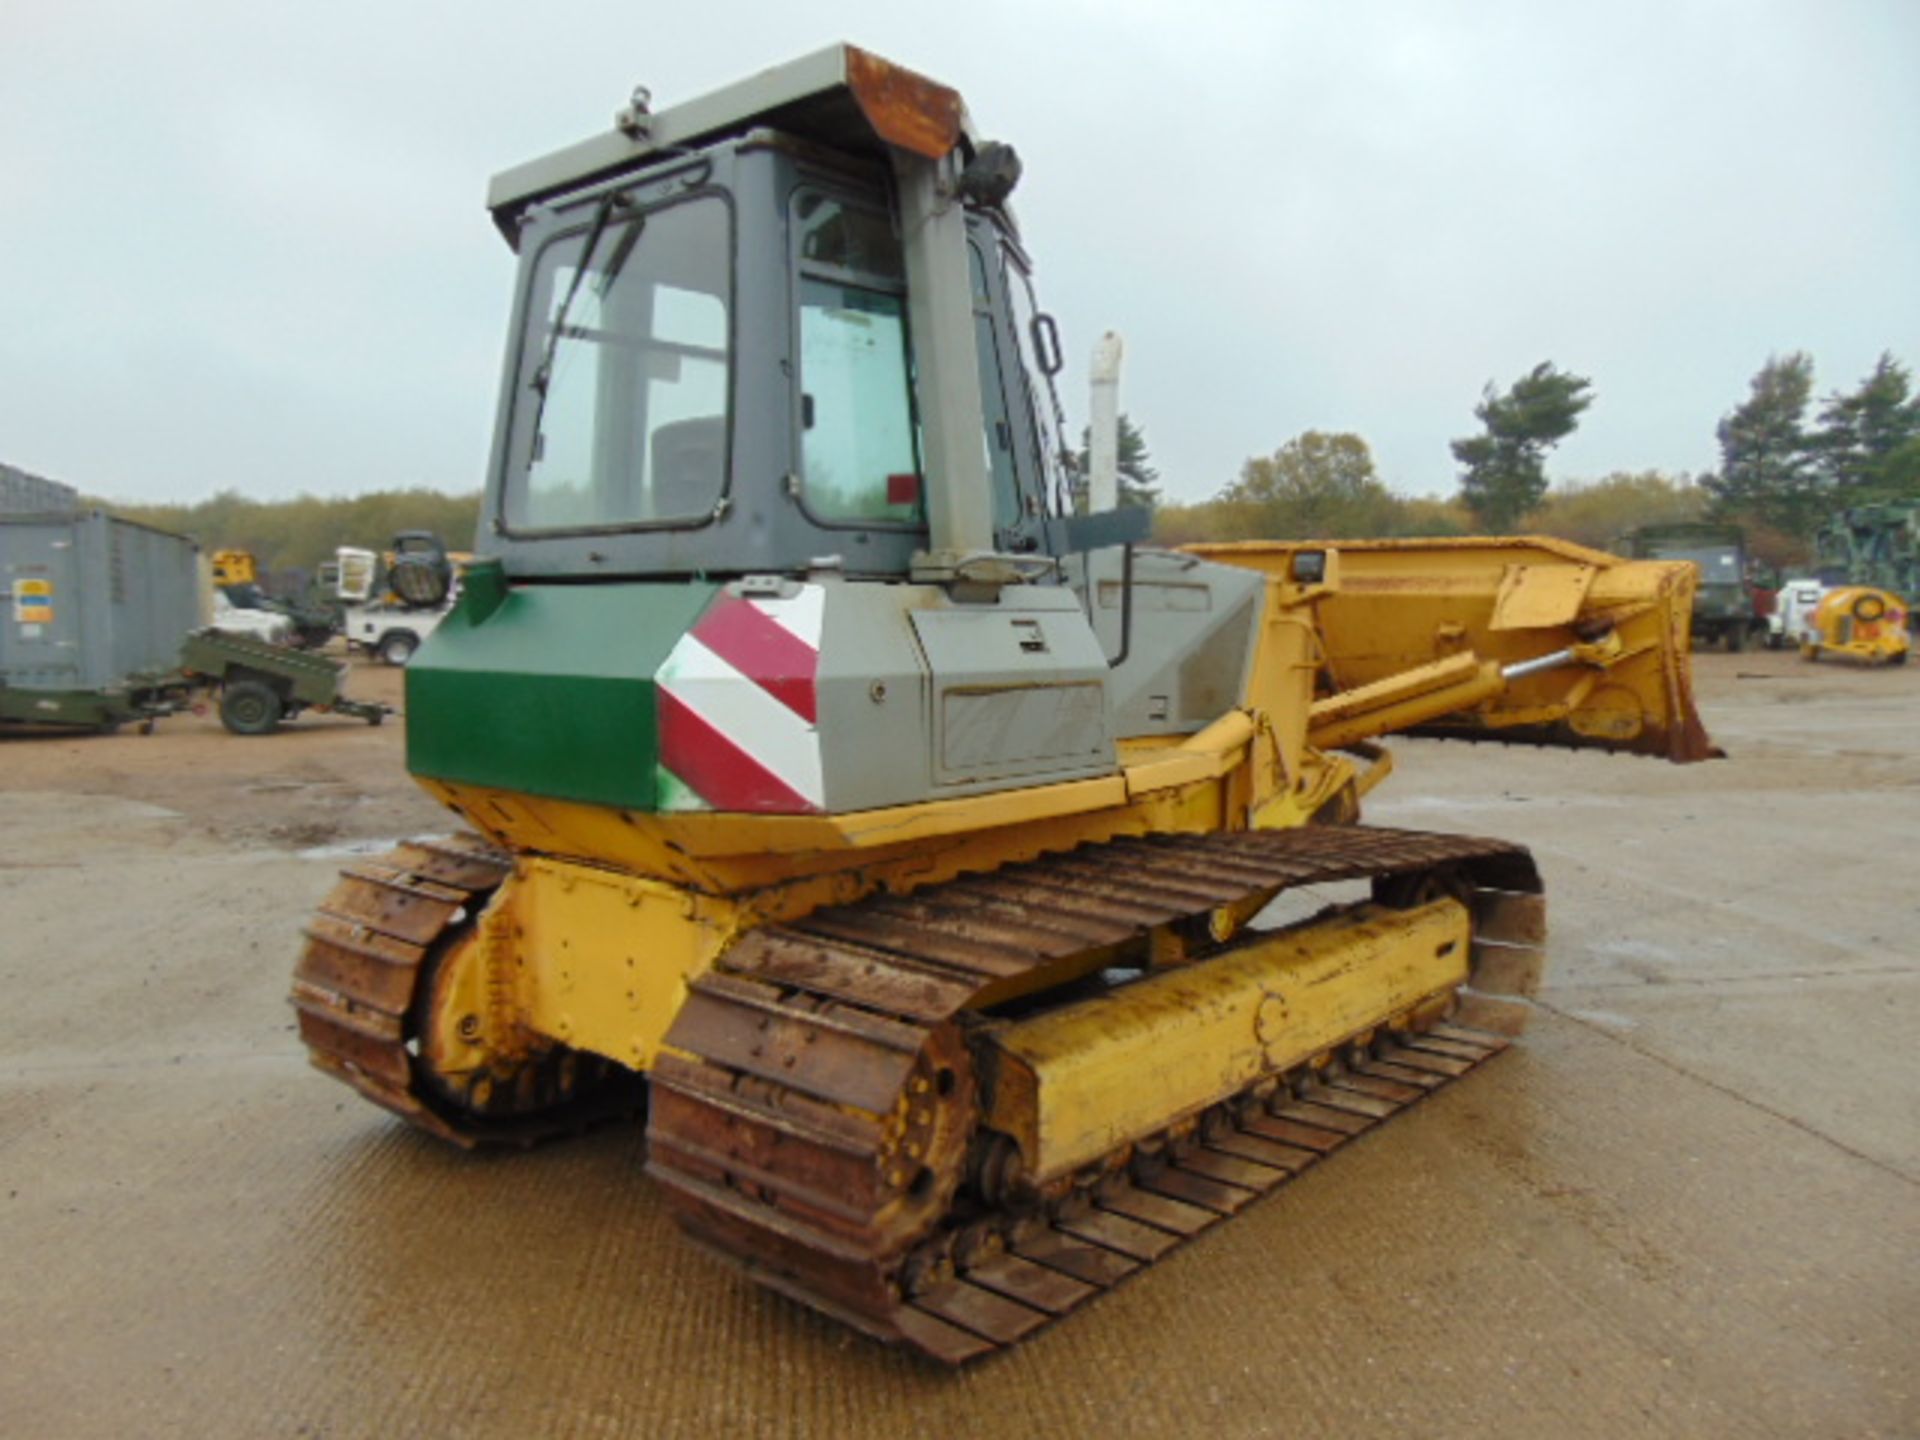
(936, 1120)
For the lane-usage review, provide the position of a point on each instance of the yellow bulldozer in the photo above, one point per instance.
(970, 896)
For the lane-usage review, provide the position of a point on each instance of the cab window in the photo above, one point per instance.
(859, 444)
(998, 427)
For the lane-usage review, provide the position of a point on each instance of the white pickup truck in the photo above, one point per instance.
(391, 632)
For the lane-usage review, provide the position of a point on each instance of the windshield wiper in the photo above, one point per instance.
(618, 260)
(543, 374)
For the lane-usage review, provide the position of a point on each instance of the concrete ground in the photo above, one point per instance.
(1686, 1206)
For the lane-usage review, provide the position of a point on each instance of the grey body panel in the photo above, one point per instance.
(920, 698)
(875, 698)
(810, 88)
(1191, 641)
(924, 699)
(122, 599)
(1019, 689)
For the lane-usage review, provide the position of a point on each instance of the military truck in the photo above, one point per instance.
(1724, 609)
(393, 602)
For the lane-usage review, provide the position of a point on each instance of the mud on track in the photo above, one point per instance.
(1686, 1206)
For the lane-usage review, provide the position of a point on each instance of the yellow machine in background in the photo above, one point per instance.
(1858, 622)
(235, 567)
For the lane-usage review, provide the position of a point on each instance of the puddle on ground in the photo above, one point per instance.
(348, 849)
(1606, 1019)
(33, 807)
(1503, 801)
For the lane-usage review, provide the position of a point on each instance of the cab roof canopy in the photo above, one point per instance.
(841, 96)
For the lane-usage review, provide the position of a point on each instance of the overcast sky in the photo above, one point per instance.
(244, 245)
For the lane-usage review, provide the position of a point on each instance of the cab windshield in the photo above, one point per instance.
(622, 391)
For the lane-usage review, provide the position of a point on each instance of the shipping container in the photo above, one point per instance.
(22, 493)
(88, 601)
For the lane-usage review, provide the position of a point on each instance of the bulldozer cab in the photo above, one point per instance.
(720, 365)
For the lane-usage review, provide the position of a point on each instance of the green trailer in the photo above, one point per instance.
(141, 698)
(261, 685)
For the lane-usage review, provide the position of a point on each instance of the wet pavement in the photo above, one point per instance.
(1685, 1206)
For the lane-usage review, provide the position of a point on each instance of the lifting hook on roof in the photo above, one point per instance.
(635, 118)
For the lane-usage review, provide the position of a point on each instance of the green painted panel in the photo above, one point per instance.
(61, 707)
(551, 692)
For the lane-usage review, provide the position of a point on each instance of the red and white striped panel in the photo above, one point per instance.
(738, 707)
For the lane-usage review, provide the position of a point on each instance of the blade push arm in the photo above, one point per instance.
(1524, 639)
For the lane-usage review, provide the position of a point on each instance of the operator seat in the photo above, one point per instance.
(688, 466)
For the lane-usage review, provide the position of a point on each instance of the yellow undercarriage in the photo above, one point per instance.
(595, 953)
(1082, 1082)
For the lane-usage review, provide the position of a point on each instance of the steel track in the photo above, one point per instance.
(812, 1119)
(358, 985)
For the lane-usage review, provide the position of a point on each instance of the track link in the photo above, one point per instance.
(357, 977)
(1040, 1267)
(369, 948)
(812, 1119)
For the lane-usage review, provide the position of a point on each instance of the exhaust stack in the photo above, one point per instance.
(1103, 425)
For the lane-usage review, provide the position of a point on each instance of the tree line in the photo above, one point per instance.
(1785, 467)
(1782, 473)
(1790, 473)
(289, 538)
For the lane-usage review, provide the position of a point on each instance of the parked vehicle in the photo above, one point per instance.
(392, 603)
(1794, 604)
(1876, 545)
(261, 685)
(236, 578)
(1726, 610)
(268, 626)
